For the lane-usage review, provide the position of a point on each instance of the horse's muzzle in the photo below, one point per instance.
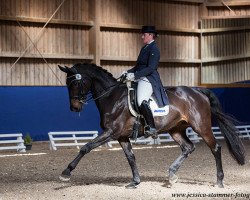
(75, 106)
(75, 109)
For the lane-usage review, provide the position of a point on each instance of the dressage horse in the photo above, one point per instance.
(188, 108)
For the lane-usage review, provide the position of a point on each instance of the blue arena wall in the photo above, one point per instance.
(235, 102)
(39, 110)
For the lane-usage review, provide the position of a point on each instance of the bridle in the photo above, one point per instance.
(78, 81)
(82, 97)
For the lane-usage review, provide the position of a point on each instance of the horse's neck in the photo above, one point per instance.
(102, 85)
(113, 100)
(100, 91)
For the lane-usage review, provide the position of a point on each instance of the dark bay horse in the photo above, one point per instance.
(188, 108)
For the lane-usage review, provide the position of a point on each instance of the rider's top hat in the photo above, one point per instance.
(149, 29)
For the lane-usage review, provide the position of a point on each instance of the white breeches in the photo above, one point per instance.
(144, 90)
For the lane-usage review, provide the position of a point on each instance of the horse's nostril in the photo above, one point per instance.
(75, 109)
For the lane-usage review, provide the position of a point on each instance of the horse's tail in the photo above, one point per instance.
(227, 127)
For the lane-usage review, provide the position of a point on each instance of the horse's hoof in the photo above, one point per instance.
(64, 178)
(219, 185)
(155, 136)
(173, 179)
(132, 185)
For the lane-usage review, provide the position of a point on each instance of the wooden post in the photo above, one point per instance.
(203, 11)
(95, 32)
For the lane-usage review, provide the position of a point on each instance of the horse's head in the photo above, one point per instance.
(78, 87)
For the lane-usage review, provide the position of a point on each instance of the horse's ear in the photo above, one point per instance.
(72, 70)
(64, 69)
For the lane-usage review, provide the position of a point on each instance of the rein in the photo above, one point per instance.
(82, 97)
(122, 78)
(101, 95)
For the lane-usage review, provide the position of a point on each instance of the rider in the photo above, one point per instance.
(145, 72)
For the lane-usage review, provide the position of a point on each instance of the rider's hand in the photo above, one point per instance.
(130, 76)
(123, 76)
(124, 73)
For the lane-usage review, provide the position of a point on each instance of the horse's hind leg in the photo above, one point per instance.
(217, 154)
(127, 148)
(209, 139)
(187, 148)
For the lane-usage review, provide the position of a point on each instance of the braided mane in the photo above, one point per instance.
(92, 67)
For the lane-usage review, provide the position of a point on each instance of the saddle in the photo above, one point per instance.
(135, 111)
(134, 107)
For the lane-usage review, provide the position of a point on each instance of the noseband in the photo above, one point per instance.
(78, 81)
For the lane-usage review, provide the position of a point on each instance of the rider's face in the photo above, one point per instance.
(147, 37)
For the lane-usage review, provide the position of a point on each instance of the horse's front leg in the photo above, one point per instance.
(127, 148)
(102, 139)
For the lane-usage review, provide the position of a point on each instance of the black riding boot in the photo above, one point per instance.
(147, 114)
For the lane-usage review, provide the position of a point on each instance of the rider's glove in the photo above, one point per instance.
(123, 76)
(130, 76)
(124, 73)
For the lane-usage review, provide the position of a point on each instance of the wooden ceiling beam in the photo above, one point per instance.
(221, 3)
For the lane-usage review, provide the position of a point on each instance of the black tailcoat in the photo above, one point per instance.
(146, 66)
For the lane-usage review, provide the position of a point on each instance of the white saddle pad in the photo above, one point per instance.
(155, 108)
(152, 103)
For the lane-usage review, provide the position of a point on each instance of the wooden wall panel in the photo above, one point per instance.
(225, 42)
(247, 69)
(171, 74)
(70, 10)
(224, 72)
(179, 46)
(33, 72)
(72, 40)
(225, 22)
(117, 67)
(247, 32)
(72, 37)
(143, 12)
(125, 44)
(61, 40)
(224, 11)
(233, 45)
(120, 44)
